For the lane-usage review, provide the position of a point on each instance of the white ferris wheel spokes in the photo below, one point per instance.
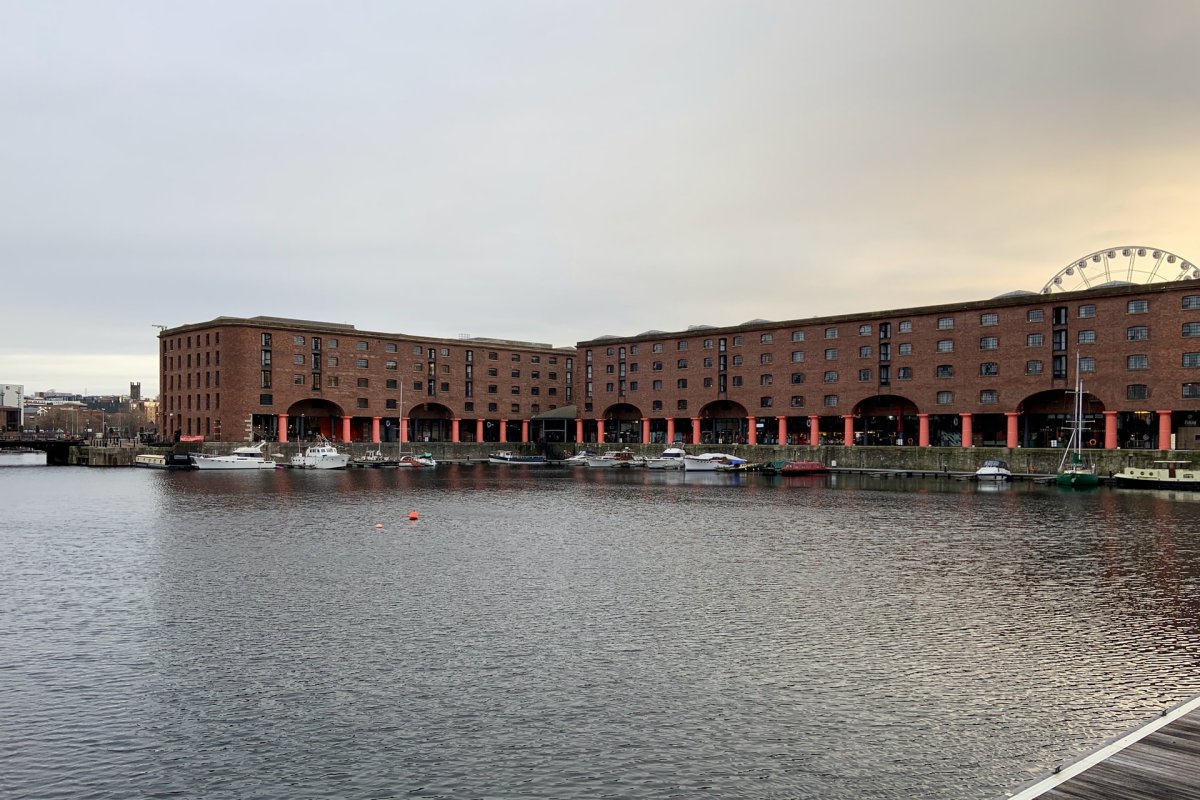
(1131, 264)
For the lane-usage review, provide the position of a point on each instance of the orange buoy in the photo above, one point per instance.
(378, 524)
(412, 515)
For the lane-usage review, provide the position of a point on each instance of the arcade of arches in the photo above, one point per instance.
(1041, 420)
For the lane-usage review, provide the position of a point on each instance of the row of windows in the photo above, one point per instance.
(391, 347)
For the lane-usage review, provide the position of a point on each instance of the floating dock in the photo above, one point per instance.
(1158, 761)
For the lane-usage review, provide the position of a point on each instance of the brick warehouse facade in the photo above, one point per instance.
(996, 372)
(284, 379)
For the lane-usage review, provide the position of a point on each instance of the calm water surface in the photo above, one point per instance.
(566, 633)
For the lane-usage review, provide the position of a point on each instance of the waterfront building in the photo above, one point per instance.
(12, 407)
(285, 379)
(997, 372)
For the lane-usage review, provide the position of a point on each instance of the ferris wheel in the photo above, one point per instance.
(1121, 265)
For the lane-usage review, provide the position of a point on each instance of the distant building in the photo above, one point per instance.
(12, 407)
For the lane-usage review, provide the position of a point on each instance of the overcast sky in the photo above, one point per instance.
(556, 171)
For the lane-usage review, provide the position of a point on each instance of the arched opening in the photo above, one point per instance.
(723, 422)
(886, 419)
(1046, 419)
(314, 418)
(430, 422)
(622, 423)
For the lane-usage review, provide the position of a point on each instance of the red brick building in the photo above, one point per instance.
(283, 379)
(996, 372)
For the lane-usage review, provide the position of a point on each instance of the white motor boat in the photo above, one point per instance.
(617, 459)
(23, 457)
(322, 455)
(711, 462)
(415, 460)
(993, 469)
(671, 458)
(580, 459)
(248, 457)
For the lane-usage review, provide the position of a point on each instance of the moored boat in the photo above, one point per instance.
(163, 461)
(414, 460)
(1160, 475)
(994, 469)
(509, 457)
(671, 458)
(580, 459)
(710, 462)
(617, 459)
(247, 457)
(802, 468)
(322, 455)
(1072, 471)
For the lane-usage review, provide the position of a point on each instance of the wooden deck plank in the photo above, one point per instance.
(1160, 760)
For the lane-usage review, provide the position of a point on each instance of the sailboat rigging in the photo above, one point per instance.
(1076, 474)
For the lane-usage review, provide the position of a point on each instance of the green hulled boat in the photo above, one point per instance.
(1072, 471)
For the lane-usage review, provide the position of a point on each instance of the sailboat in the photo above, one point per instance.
(1076, 474)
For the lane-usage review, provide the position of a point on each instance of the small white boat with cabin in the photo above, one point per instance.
(994, 469)
(509, 457)
(322, 455)
(617, 459)
(415, 460)
(247, 457)
(671, 458)
(1160, 475)
(711, 462)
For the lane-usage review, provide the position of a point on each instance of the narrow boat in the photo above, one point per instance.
(509, 457)
(163, 461)
(710, 462)
(617, 459)
(247, 457)
(1161, 475)
(1076, 474)
(994, 469)
(802, 468)
(322, 455)
(671, 458)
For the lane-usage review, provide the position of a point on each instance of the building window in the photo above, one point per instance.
(864, 375)
(681, 363)
(989, 343)
(390, 347)
(905, 348)
(797, 356)
(389, 403)
(332, 361)
(361, 363)
(945, 371)
(764, 402)
(798, 336)
(265, 400)
(945, 346)
(657, 348)
(297, 359)
(864, 351)
(681, 383)
(737, 380)
(264, 379)
(360, 346)
(1137, 391)
(391, 365)
(1087, 364)
(989, 369)
(737, 341)
(1191, 360)
(656, 366)
(1191, 330)
(363, 383)
(831, 354)
(797, 377)
(797, 401)
(1137, 306)
(737, 361)
(829, 400)
(681, 405)
(864, 330)
(989, 397)
(945, 398)
(656, 405)
(362, 403)
(298, 341)
(766, 380)
(830, 376)
(1191, 391)
(298, 380)
(945, 323)
(766, 338)
(831, 333)
(1035, 315)
(1138, 333)
(494, 356)
(765, 358)
(266, 338)
(682, 346)
(904, 373)
(708, 382)
(1087, 311)
(1141, 361)
(608, 387)
(656, 386)
(392, 383)
(989, 319)
(1058, 315)
(1190, 302)
(905, 326)
(708, 345)
(1034, 340)
(1087, 337)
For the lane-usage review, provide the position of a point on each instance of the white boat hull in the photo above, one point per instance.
(231, 462)
(22, 458)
